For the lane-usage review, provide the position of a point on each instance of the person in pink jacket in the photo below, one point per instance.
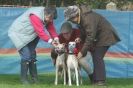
(25, 33)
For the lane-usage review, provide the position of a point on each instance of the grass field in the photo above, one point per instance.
(47, 81)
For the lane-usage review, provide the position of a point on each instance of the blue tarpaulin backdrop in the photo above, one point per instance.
(115, 66)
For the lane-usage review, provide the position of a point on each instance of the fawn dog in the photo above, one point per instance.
(60, 62)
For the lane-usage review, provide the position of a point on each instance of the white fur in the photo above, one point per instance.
(60, 62)
(72, 64)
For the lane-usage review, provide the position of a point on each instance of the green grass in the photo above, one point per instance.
(47, 81)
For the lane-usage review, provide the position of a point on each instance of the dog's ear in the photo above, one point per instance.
(56, 40)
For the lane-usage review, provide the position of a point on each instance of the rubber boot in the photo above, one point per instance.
(91, 78)
(33, 71)
(24, 72)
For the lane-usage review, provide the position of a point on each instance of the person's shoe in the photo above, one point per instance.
(100, 83)
(91, 78)
(35, 81)
(24, 70)
(33, 72)
(25, 82)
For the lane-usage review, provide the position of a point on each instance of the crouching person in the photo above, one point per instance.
(25, 33)
(70, 34)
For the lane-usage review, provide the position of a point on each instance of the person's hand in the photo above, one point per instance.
(78, 40)
(79, 56)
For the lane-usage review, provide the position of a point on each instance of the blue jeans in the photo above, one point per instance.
(28, 52)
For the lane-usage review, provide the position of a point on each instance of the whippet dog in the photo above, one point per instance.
(60, 62)
(72, 64)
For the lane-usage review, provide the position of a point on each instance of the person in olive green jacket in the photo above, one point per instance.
(96, 31)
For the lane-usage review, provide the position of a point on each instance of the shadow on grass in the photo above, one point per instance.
(48, 81)
(50, 78)
(44, 79)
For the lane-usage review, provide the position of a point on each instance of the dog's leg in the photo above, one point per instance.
(69, 77)
(64, 75)
(56, 77)
(73, 76)
(80, 77)
(77, 79)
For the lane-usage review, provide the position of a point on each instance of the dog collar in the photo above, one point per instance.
(70, 53)
(60, 54)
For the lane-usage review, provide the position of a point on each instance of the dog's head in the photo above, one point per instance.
(60, 48)
(71, 47)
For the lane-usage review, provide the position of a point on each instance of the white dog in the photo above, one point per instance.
(60, 62)
(72, 64)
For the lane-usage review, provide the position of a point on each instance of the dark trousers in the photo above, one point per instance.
(99, 66)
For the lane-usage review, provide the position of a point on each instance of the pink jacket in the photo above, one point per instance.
(40, 29)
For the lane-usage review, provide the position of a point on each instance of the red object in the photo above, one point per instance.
(75, 34)
(40, 30)
(76, 51)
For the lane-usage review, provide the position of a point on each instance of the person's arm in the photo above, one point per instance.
(39, 28)
(77, 35)
(78, 40)
(90, 32)
(88, 41)
(51, 30)
(77, 32)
